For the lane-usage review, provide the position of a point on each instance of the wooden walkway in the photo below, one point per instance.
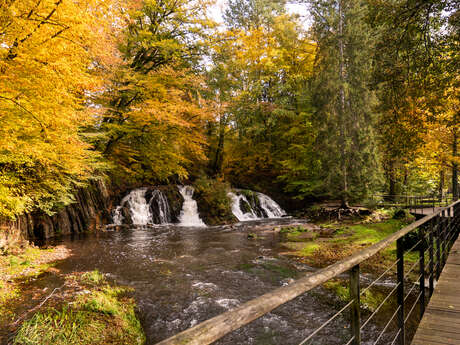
(424, 211)
(441, 321)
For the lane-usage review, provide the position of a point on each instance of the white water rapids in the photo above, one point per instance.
(139, 209)
(264, 207)
(149, 206)
(189, 215)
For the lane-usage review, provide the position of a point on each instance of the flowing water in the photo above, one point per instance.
(189, 215)
(138, 206)
(148, 206)
(185, 275)
(258, 206)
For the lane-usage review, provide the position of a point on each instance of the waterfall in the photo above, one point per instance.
(139, 209)
(159, 208)
(269, 205)
(117, 216)
(258, 206)
(189, 215)
(143, 206)
(237, 210)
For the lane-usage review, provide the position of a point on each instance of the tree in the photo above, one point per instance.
(49, 63)
(259, 77)
(343, 99)
(154, 126)
(250, 14)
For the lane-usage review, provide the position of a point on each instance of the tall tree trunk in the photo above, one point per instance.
(442, 175)
(392, 182)
(454, 167)
(343, 159)
(219, 157)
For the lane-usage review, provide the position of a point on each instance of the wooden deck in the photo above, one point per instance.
(441, 321)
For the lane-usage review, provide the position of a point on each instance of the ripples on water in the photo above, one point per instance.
(183, 276)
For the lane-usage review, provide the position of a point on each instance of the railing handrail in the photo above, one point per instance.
(413, 196)
(215, 328)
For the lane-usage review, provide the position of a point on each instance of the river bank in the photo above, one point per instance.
(39, 304)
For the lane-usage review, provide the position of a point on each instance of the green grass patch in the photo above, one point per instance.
(370, 300)
(104, 316)
(347, 239)
(298, 234)
(309, 249)
(94, 277)
(16, 268)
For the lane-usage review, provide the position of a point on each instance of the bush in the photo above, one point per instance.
(214, 205)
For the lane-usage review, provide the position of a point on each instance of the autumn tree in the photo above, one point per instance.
(49, 62)
(153, 128)
(260, 77)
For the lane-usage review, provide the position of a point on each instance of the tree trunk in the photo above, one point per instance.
(343, 160)
(454, 167)
(392, 182)
(219, 157)
(441, 184)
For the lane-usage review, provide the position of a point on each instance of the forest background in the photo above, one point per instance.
(361, 99)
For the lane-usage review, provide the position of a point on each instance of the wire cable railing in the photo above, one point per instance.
(435, 235)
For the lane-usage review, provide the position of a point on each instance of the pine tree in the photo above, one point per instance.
(343, 98)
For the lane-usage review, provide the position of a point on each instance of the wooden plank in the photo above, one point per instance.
(441, 322)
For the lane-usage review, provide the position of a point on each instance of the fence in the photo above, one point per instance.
(432, 237)
(413, 202)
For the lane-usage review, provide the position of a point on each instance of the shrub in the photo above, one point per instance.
(214, 205)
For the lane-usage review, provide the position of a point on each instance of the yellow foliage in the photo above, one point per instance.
(51, 57)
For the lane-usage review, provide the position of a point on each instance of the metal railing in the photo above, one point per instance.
(433, 235)
(413, 202)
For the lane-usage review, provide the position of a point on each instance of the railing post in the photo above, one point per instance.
(448, 231)
(438, 245)
(444, 237)
(355, 307)
(431, 254)
(421, 231)
(400, 290)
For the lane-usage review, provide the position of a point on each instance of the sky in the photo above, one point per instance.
(217, 10)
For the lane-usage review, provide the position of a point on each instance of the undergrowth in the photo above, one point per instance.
(100, 314)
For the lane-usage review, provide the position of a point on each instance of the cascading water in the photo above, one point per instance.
(189, 215)
(237, 200)
(159, 208)
(270, 207)
(259, 206)
(143, 206)
(139, 209)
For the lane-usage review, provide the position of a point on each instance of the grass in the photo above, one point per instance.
(370, 300)
(348, 238)
(297, 233)
(16, 269)
(105, 315)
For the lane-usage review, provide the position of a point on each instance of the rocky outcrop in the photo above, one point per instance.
(90, 210)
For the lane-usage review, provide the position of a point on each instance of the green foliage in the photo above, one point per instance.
(370, 300)
(345, 115)
(94, 277)
(104, 316)
(214, 205)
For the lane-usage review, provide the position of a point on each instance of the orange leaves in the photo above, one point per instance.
(52, 53)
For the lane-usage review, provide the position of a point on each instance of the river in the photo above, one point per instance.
(183, 276)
